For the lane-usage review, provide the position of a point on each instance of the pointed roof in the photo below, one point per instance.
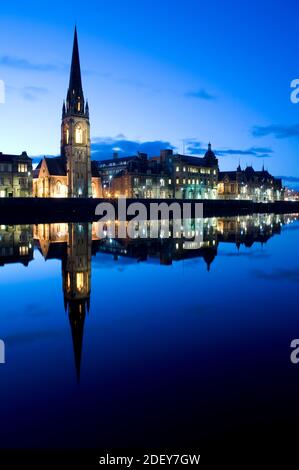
(56, 166)
(75, 75)
(75, 98)
(210, 155)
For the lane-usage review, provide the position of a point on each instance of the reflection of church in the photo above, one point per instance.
(72, 244)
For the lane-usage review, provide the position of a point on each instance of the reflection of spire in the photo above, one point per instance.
(209, 256)
(77, 312)
(76, 271)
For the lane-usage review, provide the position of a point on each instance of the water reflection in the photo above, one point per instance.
(16, 244)
(74, 244)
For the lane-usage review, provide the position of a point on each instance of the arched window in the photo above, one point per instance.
(58, 188)
(79, 135)
(80, 281)
(66, 135)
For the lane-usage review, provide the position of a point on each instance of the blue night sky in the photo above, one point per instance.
(156, 74)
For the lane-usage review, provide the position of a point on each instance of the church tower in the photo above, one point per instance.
(75, 132)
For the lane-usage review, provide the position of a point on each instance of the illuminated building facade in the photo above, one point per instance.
(15, 175)
(142, 178)
(258, 186)
(167, 176)
(192, 177)
(72, 174)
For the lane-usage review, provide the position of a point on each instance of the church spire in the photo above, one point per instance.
(75, 96)
(75, 75)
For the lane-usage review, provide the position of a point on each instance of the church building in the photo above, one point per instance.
(72, 174)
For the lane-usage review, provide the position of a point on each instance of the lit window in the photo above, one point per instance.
(177, 168)
(162, 182)
(184, 169)
(67, 135)
(23, 250)
(177, 181)
(169, 181)
(22, 168)
(79, 135)
(80, 281)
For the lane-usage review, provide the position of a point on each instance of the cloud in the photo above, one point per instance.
(290, 179)
(33, 93)
(24, 64)
(278, 275)
(201, 94)
(278, 131)
(195, 147)
(29, 93)
(104, 147)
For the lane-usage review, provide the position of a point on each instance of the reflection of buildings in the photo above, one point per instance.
(75, 243)
(243, 230)
(247, 230)
(16, 244)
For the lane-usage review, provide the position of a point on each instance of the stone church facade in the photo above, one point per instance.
(72, 174)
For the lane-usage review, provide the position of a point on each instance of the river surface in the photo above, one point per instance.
(140, 342)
